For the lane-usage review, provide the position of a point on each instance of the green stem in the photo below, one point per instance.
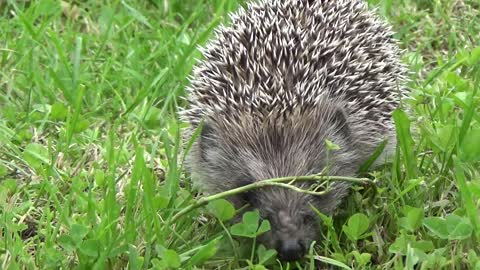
(269, 182)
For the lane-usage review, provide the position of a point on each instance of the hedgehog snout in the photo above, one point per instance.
(290, 243)
(291, 249)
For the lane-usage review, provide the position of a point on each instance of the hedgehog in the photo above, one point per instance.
(277, 82)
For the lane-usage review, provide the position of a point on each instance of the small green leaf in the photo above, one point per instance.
(264, 254)
(412, 258)
(205, 252)
(3, 170)
(249, 227)
(401, 243)
(470, 148)
(456, 81)
(473, 258)
(24, 135)
(459, 228)
(90, 247)
(116, 251)
(58, 111)
(413, 218)
(171, 258)
(160, 202)
(462, 98)
(251, 218)
(264, 227)
(240, 229)
(356, 226)
(222, 209)
(474, 57)
(474, 187)
(437, 226)
(442, 138)
(99, 177)
(423, 245)
(66, 242)
(331, 145)
(78, 232)
(158, 264)
(362, 259)
(435, 259)
(36, 155)
(81, 125)
(406, 241)
(9, 184)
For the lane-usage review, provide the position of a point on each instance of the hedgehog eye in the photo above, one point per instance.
(243, 180)
(308, 218)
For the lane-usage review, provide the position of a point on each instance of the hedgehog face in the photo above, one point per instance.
(293, 224)
(231, 153)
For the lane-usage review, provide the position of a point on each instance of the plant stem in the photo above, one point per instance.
(269, 182)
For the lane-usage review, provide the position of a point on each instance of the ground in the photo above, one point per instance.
(91, 160)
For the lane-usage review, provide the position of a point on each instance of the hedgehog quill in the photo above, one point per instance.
(274, 85)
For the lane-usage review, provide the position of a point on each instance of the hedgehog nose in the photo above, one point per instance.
(291, 250)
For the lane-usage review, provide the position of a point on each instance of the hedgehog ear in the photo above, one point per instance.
(329, 202)
(206, 140)
(339, 121)
(206, 131)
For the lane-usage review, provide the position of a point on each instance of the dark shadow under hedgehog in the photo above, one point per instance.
(285, 76)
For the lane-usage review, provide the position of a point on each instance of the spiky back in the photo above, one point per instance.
(279, 55)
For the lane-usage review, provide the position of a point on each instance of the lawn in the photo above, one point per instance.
(91, 153)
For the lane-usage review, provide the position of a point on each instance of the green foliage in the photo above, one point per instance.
(250, 226)
(412, 219)
(91, 159)
(451, 227)
(204, 252)
(265, 255)
(36, 155)
(356, 227)
(405, 141)
(222, 209)
(331, 145)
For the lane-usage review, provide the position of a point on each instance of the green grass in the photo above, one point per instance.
(91, 161)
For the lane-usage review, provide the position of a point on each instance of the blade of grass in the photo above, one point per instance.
(405, 141)
(467, 199)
